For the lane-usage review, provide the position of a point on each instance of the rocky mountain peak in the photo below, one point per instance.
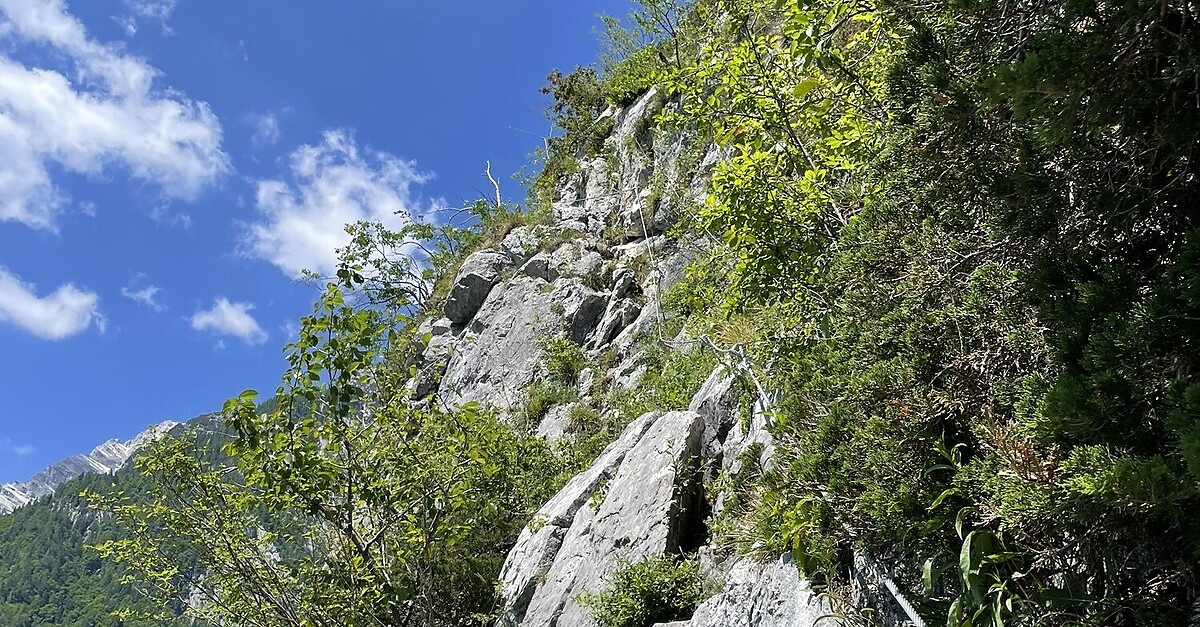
(105, 458)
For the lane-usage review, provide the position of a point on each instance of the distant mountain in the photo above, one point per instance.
(103, 459)
(48, 576)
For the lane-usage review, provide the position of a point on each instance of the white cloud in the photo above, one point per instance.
(165, 214)
(143, 294)
(153, 9)
(20, 450)
(107, 114)
(266, 129)
(226, 318)
(333, 184)
(127, 24)
(150, 10)
(65, 312)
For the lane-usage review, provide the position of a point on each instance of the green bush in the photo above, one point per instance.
(346, 445)
(984, 350)
(672, 378)
(578, 102)
(564, 359)
(542, 395)
(582, 419)
(655, 590)
(634, 76)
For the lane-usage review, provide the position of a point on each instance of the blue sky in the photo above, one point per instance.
(168, 166)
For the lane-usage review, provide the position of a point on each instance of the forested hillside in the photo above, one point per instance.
(50, 574)
(796, 284)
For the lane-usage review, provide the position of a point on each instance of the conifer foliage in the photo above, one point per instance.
(970, 232)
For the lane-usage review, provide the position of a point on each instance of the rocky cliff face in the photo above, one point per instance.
(596, 276)
(103, 459)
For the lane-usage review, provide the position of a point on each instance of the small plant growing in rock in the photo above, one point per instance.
(608, 358)
(564, 359)
(613, 234)
(599, 278)
(553, 239)
(543, 395)
(596, 499)
(640, 265)
(583, 419)
(655, 590)
(537, 522)
(672, 378)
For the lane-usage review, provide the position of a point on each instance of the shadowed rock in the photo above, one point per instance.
(479, 273)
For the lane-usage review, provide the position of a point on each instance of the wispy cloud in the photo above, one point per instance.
(99, 110)
(232, 319)
(65, 312)
(267, 131)
(127, 23)
(149, 10)
(332, 184)
(19, 450)
(153, 9)
(139, 291)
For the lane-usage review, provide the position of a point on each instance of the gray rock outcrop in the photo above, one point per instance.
(479, 273)
(764, 595)
(596, 276)
(499, 352)
(634, 502)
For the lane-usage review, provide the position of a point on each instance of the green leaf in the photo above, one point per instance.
(954, 616)
(803, 87)
(960, 519)
(943, 496)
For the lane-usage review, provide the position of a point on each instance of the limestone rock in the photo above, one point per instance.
(499, 352)
(715, 404)
(637, 500)
(536, 548)
(771, 595)
(741, 440)
(479, 272)
(573, 260)
(627, 376)
(523, 242)
(586, 382)
(599, 201)
(742, 437)
(624, 283)
(618, 315)
(713, 400)
(554, 424)
(633, 138)
(541, 266)
(583, 308)
(645, 322)
(440, 327)
(497, 355)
